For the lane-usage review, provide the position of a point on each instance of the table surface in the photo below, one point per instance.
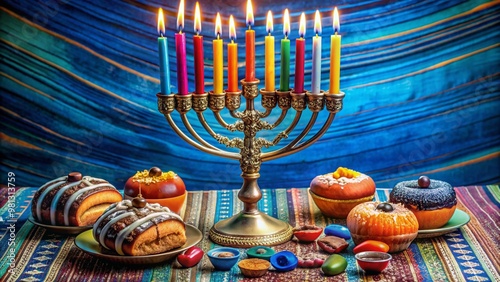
(469, 253)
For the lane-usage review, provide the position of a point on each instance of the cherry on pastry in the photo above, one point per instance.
(424, 181)
(155, 171)
(74, 176)
(386, 207)
(139, 202)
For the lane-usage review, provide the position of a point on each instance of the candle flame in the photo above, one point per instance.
(286, 23)
(317, 23)
(336, 21)
(250, 20)
(302, 25)
(161, 22)
(197, 18)
(269, 24)
(180, 16)
(232, 29)
(218, 26)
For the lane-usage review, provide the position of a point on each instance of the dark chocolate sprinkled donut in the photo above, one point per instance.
(438, 195)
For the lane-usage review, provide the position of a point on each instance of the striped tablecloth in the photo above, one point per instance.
(470, 253)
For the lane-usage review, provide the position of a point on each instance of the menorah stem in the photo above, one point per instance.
(250, 227)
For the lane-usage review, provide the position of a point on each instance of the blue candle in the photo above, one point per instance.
(163, 50)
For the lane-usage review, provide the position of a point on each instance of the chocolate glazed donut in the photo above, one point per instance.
(432, 201)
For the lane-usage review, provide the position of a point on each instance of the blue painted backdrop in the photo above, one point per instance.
(79, 78)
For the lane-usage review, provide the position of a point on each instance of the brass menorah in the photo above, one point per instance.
(250, 227)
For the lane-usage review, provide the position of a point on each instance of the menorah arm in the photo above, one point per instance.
(292, 148)
(280, 118)
(195, 144)
(188, 126)
(231, 127)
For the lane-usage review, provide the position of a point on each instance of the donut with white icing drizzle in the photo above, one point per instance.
(135, 230)
(343, 184)
(73, 200)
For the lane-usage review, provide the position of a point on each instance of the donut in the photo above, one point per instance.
(138, 228)
(337, 193)
(390, 223)
(343, 184)
(432, 201)
(165, 188)
(73, 200)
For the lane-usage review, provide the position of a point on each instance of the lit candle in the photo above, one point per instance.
(199, 68)
(335, 55)
(299, 56)
(269, 59)
(163, 50)
(250, 45)
(316, 56)
(285, 54)
(232, 54)
(218, 57)
(180, 50)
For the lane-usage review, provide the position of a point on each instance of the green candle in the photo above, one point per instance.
(285, 54)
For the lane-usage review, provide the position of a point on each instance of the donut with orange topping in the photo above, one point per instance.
(338, 192)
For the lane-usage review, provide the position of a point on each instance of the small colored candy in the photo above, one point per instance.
(310, 263)
(334, 264)
(371, 245)
(284, 261)
(190, 257)
(307, 233)
(260, 252)
(337, 230)
(332, 244)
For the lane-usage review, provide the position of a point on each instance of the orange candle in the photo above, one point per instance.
(269, 48)
(250, 45)
(218, 58)
(232, 54)
(335, 55)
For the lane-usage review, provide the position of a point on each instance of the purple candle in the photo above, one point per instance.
(180, 50)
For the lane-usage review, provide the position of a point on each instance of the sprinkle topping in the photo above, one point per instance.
(144, 177)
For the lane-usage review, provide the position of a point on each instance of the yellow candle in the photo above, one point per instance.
(269, 44)
(335, 55)
(218, 58)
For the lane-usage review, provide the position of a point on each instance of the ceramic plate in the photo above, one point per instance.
(70, 230)
(86, 242)
(459, 218)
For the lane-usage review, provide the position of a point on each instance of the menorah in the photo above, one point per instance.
(250, 227)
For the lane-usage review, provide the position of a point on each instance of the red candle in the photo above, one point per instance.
(299, 56)
(180, 49)
(199, 67)
(250, 45)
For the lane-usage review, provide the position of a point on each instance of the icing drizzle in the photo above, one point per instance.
(63, 185)
(124, 209)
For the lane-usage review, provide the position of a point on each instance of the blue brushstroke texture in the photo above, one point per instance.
(79, 78)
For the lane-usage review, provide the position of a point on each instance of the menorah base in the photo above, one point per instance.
(246, 230)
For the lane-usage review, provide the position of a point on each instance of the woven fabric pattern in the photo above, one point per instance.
(469, 253)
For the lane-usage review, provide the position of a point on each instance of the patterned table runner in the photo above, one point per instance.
(470, 253)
